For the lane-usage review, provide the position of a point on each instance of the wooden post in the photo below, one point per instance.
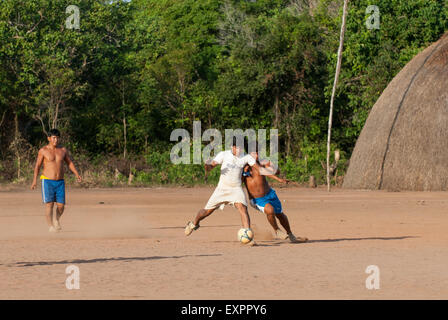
(336, 76)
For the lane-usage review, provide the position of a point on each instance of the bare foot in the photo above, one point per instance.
(57, 225)
(280, 235)
(252, 243)
(52, 229)
(294, 239)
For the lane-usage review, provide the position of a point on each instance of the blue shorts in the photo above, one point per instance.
(53, 191)
(271, 198)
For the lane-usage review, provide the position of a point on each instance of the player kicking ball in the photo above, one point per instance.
(53, 156)
(229, 189)
(264, 199)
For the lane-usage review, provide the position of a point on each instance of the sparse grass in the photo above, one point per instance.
(156, 169)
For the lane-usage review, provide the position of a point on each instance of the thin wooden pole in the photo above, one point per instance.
(336, 77)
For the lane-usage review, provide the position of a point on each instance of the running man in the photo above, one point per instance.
(53, 156)
(229, 189)
(264, 199)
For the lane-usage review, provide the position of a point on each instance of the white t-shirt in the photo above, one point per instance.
(232, 167)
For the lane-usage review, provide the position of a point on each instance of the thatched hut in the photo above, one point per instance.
(404, 142)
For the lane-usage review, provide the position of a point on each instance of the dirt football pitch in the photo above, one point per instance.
(130, 244)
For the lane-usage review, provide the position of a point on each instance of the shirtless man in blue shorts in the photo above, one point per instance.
(53, 156)
(264, 199)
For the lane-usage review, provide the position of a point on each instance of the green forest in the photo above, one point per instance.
(117, 86)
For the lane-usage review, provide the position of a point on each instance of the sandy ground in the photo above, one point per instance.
(130, 244)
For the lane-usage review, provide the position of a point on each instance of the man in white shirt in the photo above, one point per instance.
(229, 189)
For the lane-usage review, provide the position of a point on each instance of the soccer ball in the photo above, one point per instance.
(245, 235)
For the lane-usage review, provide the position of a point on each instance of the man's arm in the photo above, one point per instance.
(39, 161)
(273, 176)
(269, 171)
(209, 165)
(244, 179)
(71, 166)
(269, 166)
(250, 196)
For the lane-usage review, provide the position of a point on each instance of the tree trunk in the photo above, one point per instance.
(3, 118)
(276, 111)
(1, 123)
(288, 141)
(124, 121)
(336, 76)
(16, 144)
(124, 135)
(55, 117)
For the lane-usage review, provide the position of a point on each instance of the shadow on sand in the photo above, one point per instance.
(125, 259)
(202, 227)
(359, 239)
(275, 243)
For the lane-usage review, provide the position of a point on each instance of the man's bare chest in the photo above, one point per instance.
(54, 156)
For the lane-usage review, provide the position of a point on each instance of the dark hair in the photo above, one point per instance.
(236, 144)
(245, 144)
(234, 141)
(248, 144)
(54, 132)
(256, 147)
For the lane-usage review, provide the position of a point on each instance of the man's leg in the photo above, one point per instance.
(245, 220)
(59, 211)
(270, 215)
(49, 215)
(202, 214)
(285, 223)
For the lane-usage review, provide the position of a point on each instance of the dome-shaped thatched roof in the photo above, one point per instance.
(404, 143)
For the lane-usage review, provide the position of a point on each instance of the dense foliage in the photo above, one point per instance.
(136, 70)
